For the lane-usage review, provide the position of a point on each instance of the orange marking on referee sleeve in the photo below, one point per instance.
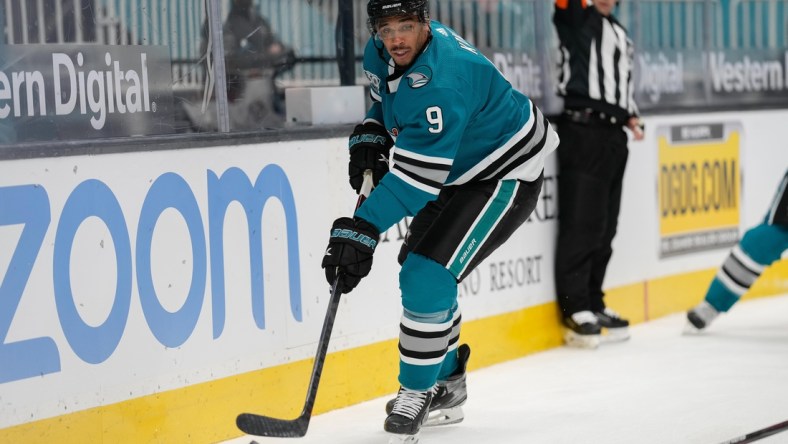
(563, 4)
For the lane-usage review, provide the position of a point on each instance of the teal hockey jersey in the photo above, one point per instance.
(454, 119)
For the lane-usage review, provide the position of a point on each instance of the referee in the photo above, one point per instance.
(596, 82)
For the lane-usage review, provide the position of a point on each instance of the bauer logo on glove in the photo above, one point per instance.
(348, 257)
(355, 139)
(355, 236)
(369, 150)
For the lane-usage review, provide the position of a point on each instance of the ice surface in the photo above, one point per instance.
(661, 386)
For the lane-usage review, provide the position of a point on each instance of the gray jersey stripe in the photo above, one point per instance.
(746, 261)
(424, 174)
(730, 284)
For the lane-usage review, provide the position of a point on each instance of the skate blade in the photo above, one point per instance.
(398, 438)
(691, 330)
(445, 417)
(575, 340)
(615, 335)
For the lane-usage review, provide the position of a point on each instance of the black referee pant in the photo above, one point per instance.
(591, 161)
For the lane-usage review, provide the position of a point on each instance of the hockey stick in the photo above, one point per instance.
(260, 425)
(759, 434)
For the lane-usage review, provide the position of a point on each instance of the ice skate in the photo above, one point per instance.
(410, 411)
(700, 317)
(615, 327)
(583, 330)
(449, 395)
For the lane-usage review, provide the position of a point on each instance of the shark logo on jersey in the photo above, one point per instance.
(420, 76)
(374, 82)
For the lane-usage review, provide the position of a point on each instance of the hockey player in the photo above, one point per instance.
(466, 156)
(760, 246)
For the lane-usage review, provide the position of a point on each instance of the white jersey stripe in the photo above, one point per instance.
(425, 326)
(745, 260)
(623, 68)
(593, 73)
(418, 361)
(609, 50)
(495, 155)
(566, 71)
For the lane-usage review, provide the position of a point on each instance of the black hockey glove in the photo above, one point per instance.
(349, 252)
(369, 150)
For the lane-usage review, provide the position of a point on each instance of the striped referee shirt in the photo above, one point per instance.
(596, 60)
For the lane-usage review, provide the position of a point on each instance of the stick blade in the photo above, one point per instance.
(259, 425)
(759, 434)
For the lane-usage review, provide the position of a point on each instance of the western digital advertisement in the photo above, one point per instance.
(62, 92)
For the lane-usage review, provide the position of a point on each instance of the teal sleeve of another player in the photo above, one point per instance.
(391, 201)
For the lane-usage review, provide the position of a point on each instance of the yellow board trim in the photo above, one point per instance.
(205, 413)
